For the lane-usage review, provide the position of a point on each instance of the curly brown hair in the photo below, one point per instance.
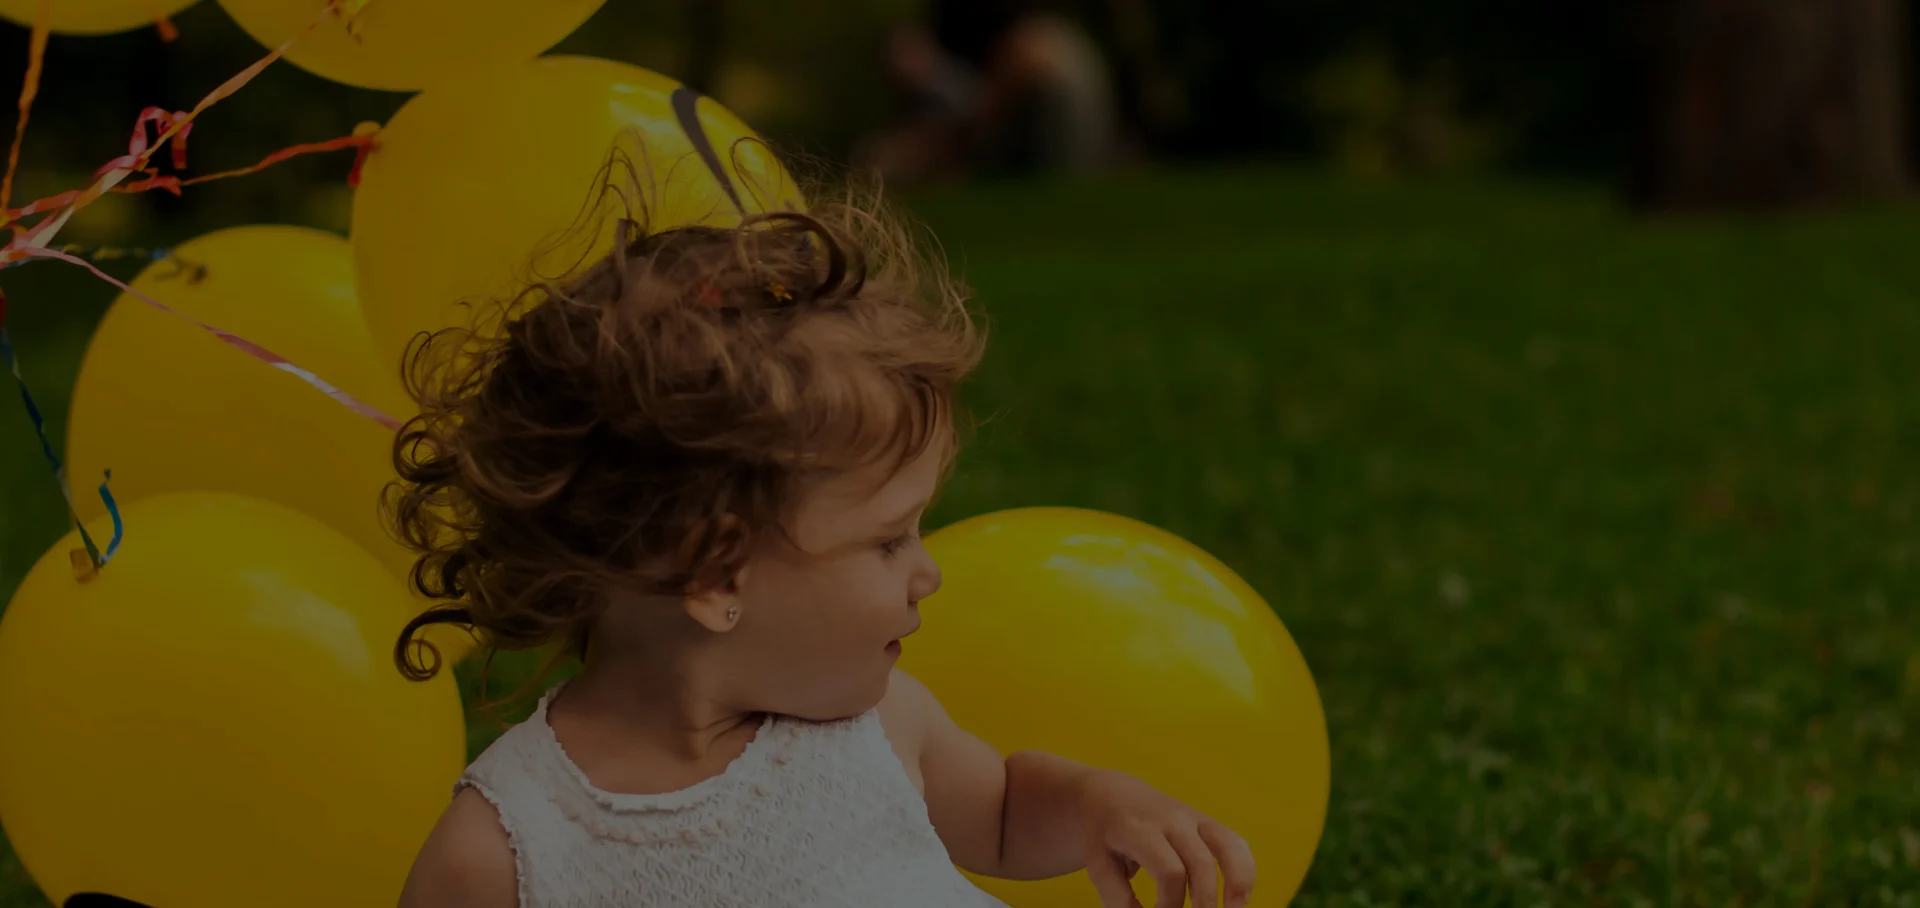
(641, 424)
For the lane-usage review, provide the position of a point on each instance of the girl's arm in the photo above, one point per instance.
(1034, 815)
(1013, 818)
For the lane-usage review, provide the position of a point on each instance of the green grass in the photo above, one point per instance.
(1599, 536)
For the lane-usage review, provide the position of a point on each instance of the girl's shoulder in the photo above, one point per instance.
(466, 862)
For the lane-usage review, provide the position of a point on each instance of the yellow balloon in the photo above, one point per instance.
(469, 184)
(93, 17)
(168, 407)
(215, 720)
(408, 45)
(1118, 644)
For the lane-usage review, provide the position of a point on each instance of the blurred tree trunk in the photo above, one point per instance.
(706, 44)
(1769, 104)
(1152, 101)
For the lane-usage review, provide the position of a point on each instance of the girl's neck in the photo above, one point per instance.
(652, 700)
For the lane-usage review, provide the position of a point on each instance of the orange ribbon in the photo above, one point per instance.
(29, 89)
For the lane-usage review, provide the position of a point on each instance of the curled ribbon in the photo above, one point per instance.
(154, 128)
(141, 149)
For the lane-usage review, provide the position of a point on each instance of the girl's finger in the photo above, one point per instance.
(1202, 878)
(1235, 858)
(1110, 876)
(1162, 861)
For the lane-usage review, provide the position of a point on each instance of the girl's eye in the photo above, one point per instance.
(895, 545)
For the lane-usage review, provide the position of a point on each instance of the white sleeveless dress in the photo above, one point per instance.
(811, 815)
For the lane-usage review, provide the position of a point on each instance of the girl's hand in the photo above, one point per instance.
(1130, 826)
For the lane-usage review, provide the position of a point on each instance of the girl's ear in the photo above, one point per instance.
(718, 607)
(714, 599)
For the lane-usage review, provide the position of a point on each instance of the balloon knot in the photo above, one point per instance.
(83, 567)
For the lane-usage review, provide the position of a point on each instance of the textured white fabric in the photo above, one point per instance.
(810, 815)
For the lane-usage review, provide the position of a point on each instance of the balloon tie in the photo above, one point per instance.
(161, 23)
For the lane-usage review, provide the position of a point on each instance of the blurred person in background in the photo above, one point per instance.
(994, 87)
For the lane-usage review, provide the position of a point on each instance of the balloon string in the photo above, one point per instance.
(107, 253)
(362, 139)
(89, 559)
(29, 90)
(233, 340)
(60, 209)
(141, 151)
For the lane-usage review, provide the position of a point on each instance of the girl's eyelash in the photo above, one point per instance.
(894, 545)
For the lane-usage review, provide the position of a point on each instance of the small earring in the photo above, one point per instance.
(733, 613)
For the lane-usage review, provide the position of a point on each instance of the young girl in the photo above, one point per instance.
(702, 465)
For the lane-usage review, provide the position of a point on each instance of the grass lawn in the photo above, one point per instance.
(1600, 538)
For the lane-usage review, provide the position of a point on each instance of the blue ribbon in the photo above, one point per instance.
(98, 558)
